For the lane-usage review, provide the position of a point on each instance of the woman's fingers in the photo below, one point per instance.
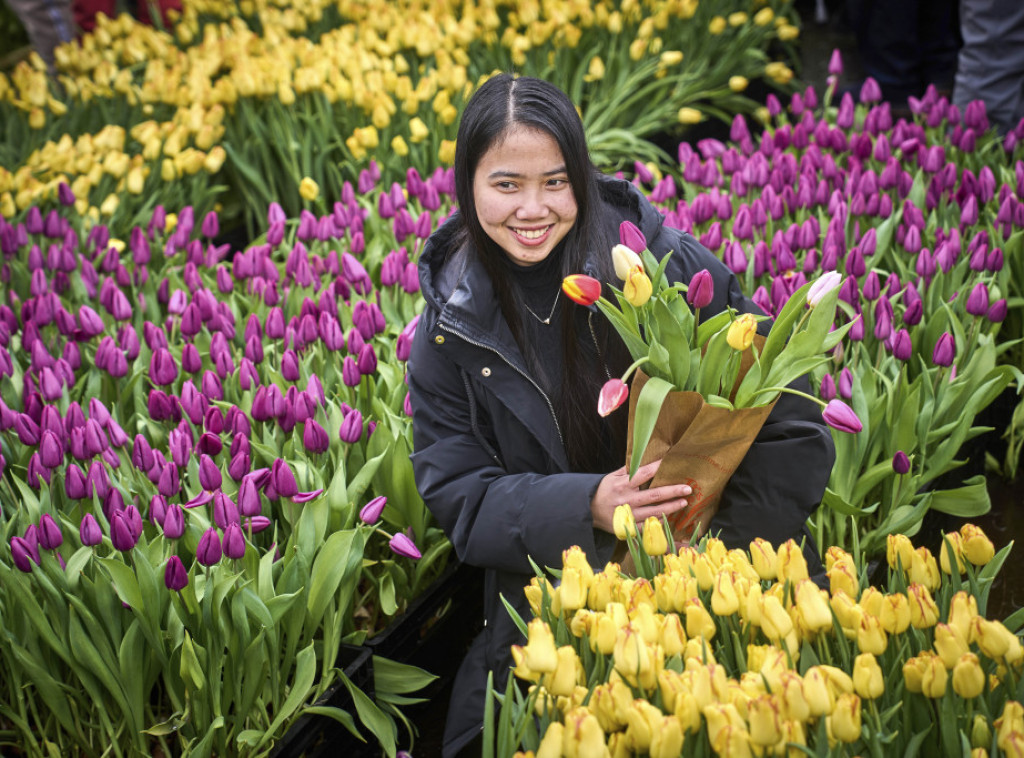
(662, 509)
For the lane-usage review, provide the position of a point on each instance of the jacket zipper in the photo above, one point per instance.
(522, 373)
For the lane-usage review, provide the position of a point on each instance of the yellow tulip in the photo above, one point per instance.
(687, 115)
(962, 608)
(991, 637)
(602, 588)
(764, 17)
(595, 70)
(37, 118)
(642, 720)
(981, 732)
(924, 569)
(950, 644)
(717, 25)
(667, 739)
(933, 677)
(788, 32)
(899, 551)
(418, 131)
(819, 697)
(446, 153)
(968, 676)
(309, 189)
(978, 548)
(791, 697)
(673, 636)
(654, 541)
(775, 621)
(868, 681)
(842, 579)
(110, 204)
(765, 720)
(623, 522)
(551, 744)
(135, 180)
(699, 623)
(602, 705)
(572, 590)
(741, 332)
(724, 600)
(924, 613)
(540, 654)
(562, 681)
(764, 559)
(894, 614)
(1009, 722)
(871, 637)
(632, 656)
(844, 723)
(638, 289)
(521, 670)
(792, 565)
(215, 159)
(738, 83)
(812, 603)
(955, 543)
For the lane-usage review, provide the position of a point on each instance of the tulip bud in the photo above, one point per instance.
(582, 289)
(209, 549)
(23, 554)
(175, 575)
(234, 542)
(741, 332)
(822, 286)
(371, 512)
(841, 417)
(632, 239)
(900, 463)
(174, 522)
(89, 531)
(400, 544)
(50, 537)
(977, 547)
(623, 522)
(844, 722)
(122, 536)
(613, 394)
(540, 653)
(968, 676)
(701, 289)
(945, 350)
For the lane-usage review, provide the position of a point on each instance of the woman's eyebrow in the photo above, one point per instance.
(500, 174)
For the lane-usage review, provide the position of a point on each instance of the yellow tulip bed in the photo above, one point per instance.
(256, 95)
(735, 653)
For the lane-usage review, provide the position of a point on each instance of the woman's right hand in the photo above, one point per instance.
(617, 488)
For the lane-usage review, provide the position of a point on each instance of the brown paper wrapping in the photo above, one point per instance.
(700, 445)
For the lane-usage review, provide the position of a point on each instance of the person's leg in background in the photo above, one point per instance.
(991, 61)
(48, 23)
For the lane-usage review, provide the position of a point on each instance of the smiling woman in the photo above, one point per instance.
(510, 454)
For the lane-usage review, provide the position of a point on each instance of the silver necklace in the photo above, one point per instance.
(545, 321)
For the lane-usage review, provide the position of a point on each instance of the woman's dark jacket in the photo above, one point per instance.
(491, 467)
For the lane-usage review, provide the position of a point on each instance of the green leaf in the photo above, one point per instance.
(394, 677)
(386, 593)
(969, 500)
(648, 407)
(372, 717)
(305, 673)
(339, 557)
(341, 716)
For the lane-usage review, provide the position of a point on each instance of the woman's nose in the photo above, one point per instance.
(532, 205)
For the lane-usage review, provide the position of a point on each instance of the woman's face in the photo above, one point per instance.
(523, 198)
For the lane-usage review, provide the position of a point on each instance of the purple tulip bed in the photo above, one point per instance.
(205, 479)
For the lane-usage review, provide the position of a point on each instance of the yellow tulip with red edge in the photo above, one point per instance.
(582, 289)
(968, 676)
(741, 332)
(868, 681)
(844, 722)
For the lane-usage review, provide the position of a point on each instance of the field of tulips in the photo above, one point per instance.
(734, 653)
(204, 476)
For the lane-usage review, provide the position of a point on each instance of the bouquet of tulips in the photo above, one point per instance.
(707, 385)
(734, 653)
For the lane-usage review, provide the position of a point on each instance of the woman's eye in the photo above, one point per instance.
(558, 183)
(505, 185)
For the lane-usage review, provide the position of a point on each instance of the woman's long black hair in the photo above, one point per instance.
(501, 103)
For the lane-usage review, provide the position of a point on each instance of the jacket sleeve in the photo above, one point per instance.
(783, 476)
(494, 518)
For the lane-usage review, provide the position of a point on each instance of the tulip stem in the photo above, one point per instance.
(634, 366)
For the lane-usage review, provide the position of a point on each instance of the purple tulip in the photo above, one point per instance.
(209, 549)
(314, 437)
(902, 348)
(977, 301)
(631, 236)
(51, 453)
(24, 554)
(37, 472)
(701, 289)
(283, 479)
(351, 427)
(845, 384)
(234, 542)
(945, 350)
(900, 462)
(402, 545)
(870, 92)
(256, 524)
(997, 311)
(89, 531)
(174, 522)
(121, 534)
(210, 478)
(157, 509)
(370, 513)
(225, 512)
(366, 363)
(74, 482)
(133, 517)
(162, 368)
(827, 391)
(175, 575)
(50, 537)
(249, 497)
(840, 416)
